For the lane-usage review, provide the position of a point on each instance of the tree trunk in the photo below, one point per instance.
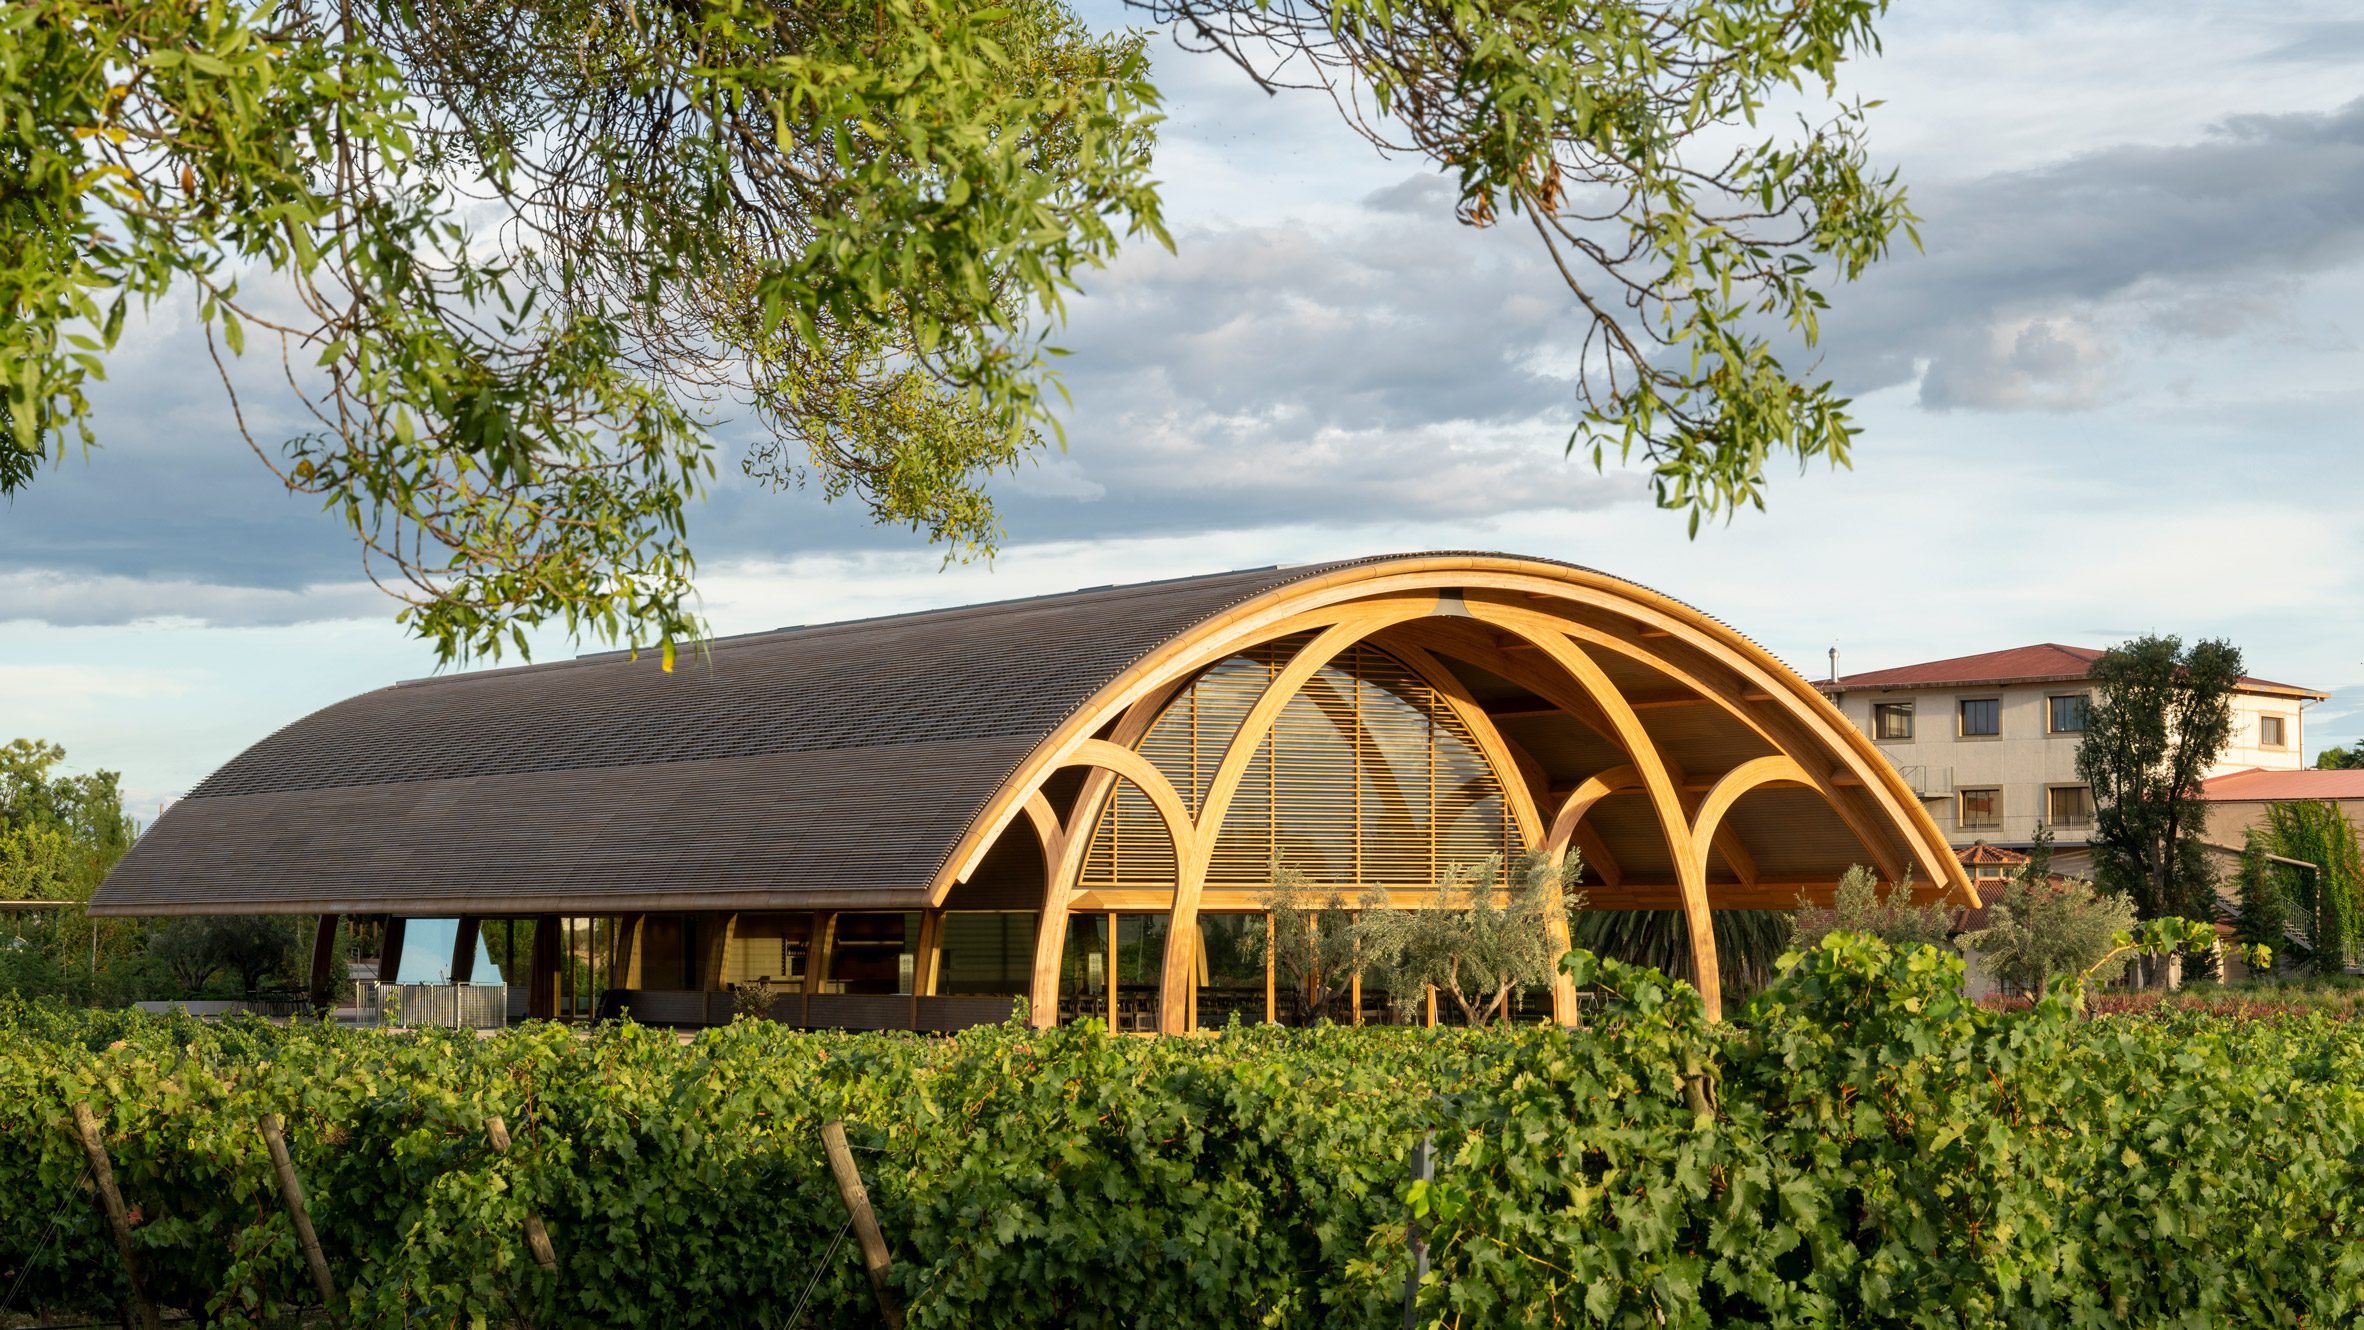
(1500, 1004)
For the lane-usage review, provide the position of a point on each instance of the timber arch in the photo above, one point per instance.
(1552, 670)
(909, 822)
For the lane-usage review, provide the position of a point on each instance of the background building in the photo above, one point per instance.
(2237, 800)
(1989, 742)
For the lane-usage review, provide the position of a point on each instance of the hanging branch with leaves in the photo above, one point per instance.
(1622, 134)
(517, 263)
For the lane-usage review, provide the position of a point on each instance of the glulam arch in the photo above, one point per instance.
(1570, 626)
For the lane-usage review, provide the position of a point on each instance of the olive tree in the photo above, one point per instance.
(1313, 949)
(2039, 929)
(1858, 907)
(1482, 935)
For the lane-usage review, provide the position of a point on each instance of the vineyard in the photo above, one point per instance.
(1861, 1147)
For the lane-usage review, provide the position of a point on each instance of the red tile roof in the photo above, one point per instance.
(2262, 786)
(1983, 853)
(2045, 662)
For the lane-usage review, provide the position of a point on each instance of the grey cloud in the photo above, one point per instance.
(2061, 363)
(69, 598)
(2329, 43)
(2034, 283)
(1389, 363)
(1423, 195)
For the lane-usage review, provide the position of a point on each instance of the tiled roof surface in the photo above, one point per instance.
(2272, 786)
(770, 772)
(840, 757)
(2043, 662)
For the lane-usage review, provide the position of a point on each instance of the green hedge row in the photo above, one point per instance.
(1862, 1147)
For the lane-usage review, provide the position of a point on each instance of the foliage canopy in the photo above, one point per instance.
(1863, 1148)
(2350, 758)
(2159, 717)
(487, 280)
(1858, 907)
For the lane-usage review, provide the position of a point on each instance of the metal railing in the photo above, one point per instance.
(458, 1006)
(1928, 781)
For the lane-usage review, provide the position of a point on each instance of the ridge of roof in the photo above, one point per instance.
(2038, 662)
(1007, 602)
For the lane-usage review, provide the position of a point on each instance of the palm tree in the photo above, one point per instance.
(1747, 943)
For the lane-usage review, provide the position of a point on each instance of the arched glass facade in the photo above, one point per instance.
(1368, 779)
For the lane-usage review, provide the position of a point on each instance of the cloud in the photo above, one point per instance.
(2331, 42)
(2059, 363)
(68, 598)
(2037, 283)
(1387, 363)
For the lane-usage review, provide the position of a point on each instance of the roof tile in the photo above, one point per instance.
(2044, 662)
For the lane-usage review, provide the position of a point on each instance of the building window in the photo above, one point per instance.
(2069, 806)
(2269, 732)
(1981, 717)
(1982, 810)
(2068, 714)
(1892, 720)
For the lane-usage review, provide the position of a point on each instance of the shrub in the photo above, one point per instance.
(1857, 907)
(2265, 910)
(1861, 1147)
(2039, 929)
(2317, 832)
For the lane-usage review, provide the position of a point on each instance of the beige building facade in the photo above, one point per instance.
(1989, 742)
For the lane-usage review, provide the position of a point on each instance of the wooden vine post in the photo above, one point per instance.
(1423, 1170)
(118, 1218)
(291, 1190)
(875, 1261)
(537, 1238)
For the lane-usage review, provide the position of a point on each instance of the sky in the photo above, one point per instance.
(2117, 391)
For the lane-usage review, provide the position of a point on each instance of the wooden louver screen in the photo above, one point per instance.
(1367, 779)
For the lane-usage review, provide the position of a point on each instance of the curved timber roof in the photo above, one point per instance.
(872, 764)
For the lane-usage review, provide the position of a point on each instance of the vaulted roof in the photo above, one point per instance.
(876, 764)
(809, 760)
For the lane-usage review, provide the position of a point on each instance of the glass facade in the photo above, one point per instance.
(1368, 778)
(985, 952)
(1112, 969)
(873, 953)
(1230, 969)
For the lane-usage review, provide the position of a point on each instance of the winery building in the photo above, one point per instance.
(1076, 800)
